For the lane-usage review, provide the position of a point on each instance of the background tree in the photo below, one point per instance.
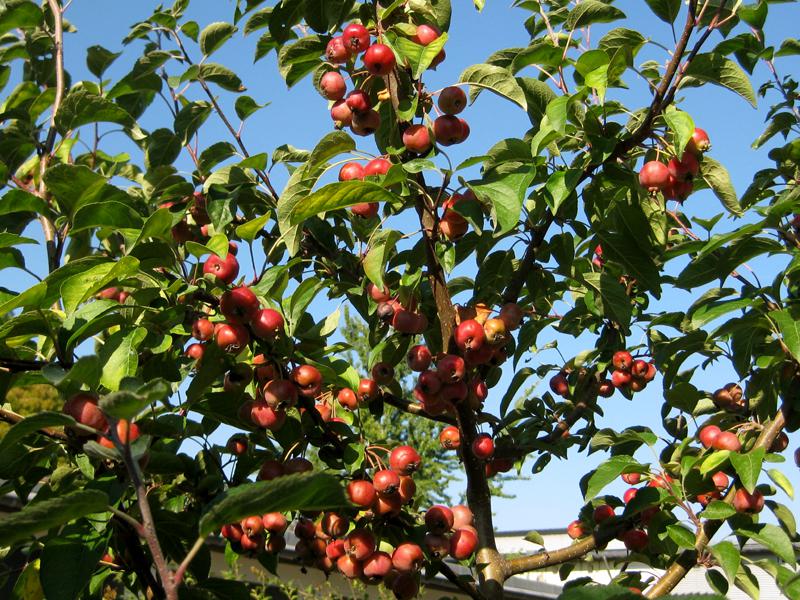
(185, 297)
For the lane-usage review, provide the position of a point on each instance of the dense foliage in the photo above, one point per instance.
(182, 309)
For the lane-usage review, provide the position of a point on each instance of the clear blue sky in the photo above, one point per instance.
(299, 117)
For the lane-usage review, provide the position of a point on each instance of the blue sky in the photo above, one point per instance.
(299, 117)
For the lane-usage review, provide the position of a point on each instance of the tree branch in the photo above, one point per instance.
(468, 587)
(687, 559)
(514, 287)
(415, 409)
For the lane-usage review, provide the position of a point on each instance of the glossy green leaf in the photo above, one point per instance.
(771, 537)
(728, 557)
(748, 467)
(498, 80)
(607, 472)
(214, 36)
(719, 180)
(81, 107)
(720, 70)
(379, 251)
(38, 517)
(120, 356)
(299, 491)
(338, 195)
(592, 11)
(666, 10)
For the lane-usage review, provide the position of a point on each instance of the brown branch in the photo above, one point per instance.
(17, 365)
(490, 563)
(165, 574)
(414, 408)
(468, 587)
(657, 105)
(13, 418)
(687, 559)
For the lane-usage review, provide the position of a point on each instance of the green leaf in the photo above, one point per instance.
(613, 301)
(215, 73)
(789, 47)
(778, 478)
(606, 473)
(682, 127)
(516, 382)
(748, 467)
(416, 56)
(718, 510)
(16, 201)
(681, 536)
(323, 15)
(728, 557)
(719, 70)
(380, 248)
(120, 357)
(534, 537)
(299, 491)
(30, 425)
(80, 287)
(214, 36)
(497, 80)
(666, 10)
(339, 195)
(300, 300)
(248, 231)
(81, 107)
(38, 517)
(299, 58)
(719, 180)
(190, 118)
(506, 193)
(593, 67)
(67, 566)
(771, 537)
(559, 187)
(245, 106)
(789, 329)
(20, 15)
(98, 59)
(592, 11)
(714, 461)
(126, 404)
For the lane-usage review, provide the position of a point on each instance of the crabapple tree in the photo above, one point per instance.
(181, 310)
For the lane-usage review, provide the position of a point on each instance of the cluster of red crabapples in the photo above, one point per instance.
(83, 407)
(629, 373)
(456, 378)
(356, 109)
(674, 179)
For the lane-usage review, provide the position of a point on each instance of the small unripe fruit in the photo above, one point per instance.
(365, 123)
(450, 438)
(127, 432)
(439, 519)
(350, 171)
(452, 100)
(377, 294)
(298, 464)
(699, 142)
(780, 444)
(483, 446)
(429, 383)
(334, 525)
(349, 567)
(621, 379)
(495, 331)
(377, 566)
(602, 513)
(727, 440)
(279, 393)
(448, 130)
(708, 434)
(379, 59)
(308, 380)
(232, 337)
(407, 558)
(270, 470)
(451, 368)
(336, 51)
(265, 416)
(745, 502)
(377, 166)
(635, 540)
(576, 530)
(606, 388)
(469, 335)
(511, 314)
(720, 480)
(463, 543)
(382, 373)
(333, 86)
(368, 390)
(356, 38)
(361, 492)
(622, 360)
(275, 522)
(654, 176)
(629, 495)
(425, 34)
(559, 385)
(405, 460)
(417, 139)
